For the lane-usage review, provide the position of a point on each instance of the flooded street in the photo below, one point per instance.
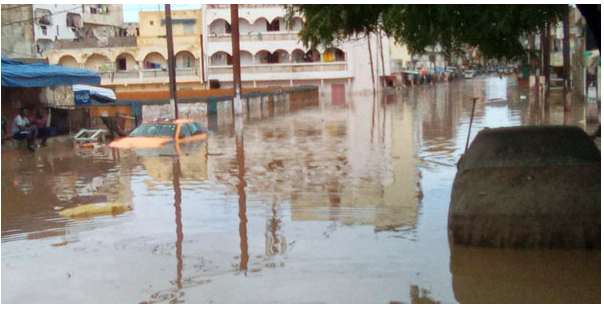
(328, 201)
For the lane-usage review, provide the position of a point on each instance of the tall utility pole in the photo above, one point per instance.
(171, 62)
(236, 59)
(566, 49)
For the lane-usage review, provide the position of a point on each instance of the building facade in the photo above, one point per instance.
(30, 30)
(139, 62)
(271, 53)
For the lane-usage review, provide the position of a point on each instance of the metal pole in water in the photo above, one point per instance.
(471, 119)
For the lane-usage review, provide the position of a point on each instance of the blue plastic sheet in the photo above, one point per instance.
(18, 74)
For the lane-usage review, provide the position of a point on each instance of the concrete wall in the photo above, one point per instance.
(400, 53)
(17, 38)
(107, 14)
(150, 24)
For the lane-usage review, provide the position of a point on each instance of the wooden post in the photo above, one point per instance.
(171, 61)
(236, 59)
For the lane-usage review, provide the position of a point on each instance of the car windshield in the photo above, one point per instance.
(154, 129)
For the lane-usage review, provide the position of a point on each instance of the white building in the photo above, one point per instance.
(54, 22)
(271, 54)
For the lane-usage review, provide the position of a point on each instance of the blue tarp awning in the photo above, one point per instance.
(19, 74)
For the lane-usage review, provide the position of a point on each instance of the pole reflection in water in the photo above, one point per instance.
(240, 154)
(178, 220)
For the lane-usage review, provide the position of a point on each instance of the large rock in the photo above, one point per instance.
(528, 187)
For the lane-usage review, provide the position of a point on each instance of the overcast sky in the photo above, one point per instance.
(131, 10)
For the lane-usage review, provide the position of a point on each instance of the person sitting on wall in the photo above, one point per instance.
(23, 130)
(40, 123)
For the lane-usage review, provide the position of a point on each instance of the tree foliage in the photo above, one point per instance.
(495, 30)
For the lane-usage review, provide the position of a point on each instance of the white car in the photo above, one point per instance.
(469, 74)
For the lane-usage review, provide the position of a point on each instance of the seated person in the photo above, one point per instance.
(23, 130)
(40, 123)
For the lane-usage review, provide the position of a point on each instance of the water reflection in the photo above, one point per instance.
(489, 276)
(239, 144)
(299, 195)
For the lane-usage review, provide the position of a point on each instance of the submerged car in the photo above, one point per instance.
(159, 134)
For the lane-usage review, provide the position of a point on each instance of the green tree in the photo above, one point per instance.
(495, 30)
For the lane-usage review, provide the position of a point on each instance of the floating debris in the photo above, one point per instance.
(86, 211)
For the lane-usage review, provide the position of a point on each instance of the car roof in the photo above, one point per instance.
(169, 121)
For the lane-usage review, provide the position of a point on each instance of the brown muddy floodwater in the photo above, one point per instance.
(328, 201)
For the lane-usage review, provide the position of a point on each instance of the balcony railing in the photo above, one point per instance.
(282, 68)
(146, 74)
(256, 36)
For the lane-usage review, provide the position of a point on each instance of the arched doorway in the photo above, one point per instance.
(98, 63)
(220, 26)
(333, 54)
(312, 56)
(185, 59)
(280, 56)
(68, 61)
(125, 62)
(260, 25)
(263, 57)
(298, 56)
(155, 61)
(246, 58)
(221, 58)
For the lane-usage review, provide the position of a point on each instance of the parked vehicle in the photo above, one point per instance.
(469, 74)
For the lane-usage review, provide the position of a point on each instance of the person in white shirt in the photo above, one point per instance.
(23, 130)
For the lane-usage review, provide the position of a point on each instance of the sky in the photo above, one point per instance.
(131, 10)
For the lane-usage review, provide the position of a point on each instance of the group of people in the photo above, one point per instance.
(31, 127)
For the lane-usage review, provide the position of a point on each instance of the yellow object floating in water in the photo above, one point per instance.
(85, 211)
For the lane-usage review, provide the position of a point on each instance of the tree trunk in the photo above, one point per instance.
(382, 56)
(546, 56)
(566, 49)
(541, 49)
(371, 62)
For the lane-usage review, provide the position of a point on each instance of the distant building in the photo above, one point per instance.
(134, 56)
(138, 60)
(29, 30)
(271, 53)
